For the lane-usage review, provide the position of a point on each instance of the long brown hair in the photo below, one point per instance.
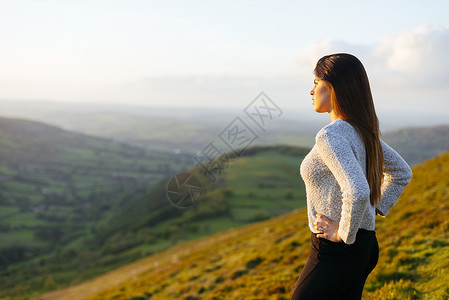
(352, 100)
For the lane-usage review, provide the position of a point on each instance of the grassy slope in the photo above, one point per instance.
(264, 185)
(263, 260)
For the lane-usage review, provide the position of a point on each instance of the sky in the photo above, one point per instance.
(221, 53)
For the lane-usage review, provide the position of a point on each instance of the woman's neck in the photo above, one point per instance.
(334, 116)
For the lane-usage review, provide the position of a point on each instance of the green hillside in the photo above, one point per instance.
(145, 227)
(57, 188)
(247, 192)
(263, 260)
(131, 220)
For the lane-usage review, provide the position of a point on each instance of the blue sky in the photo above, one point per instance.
(219, 53)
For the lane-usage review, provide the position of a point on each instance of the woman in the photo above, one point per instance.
(350, 175)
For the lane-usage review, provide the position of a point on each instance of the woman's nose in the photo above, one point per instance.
(312, 91)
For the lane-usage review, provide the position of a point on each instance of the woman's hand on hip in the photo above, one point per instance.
(328, 228)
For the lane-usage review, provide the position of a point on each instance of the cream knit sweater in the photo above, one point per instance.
(334, 173)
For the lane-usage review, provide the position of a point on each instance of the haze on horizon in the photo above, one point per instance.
(222, 54)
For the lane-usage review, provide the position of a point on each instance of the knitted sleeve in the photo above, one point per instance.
(337, 154)
(397, 175)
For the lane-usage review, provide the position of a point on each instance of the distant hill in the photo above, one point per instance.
(170, 128)
(419, 144)
(187, 130)
(263, 260)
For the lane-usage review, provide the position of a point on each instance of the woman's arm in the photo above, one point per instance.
(397, 175)
(338, 155)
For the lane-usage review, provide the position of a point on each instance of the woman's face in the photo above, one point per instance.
(321, 96)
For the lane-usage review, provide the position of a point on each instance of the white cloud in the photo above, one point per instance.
(415, 59)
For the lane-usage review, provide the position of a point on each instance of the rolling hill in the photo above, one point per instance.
(417, 144)
(74, 206)
(263, 260)
(57, 187)
(84, 235)
(50, 177)
(149, 223)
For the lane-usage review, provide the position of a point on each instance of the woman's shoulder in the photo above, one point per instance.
(337, 129)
